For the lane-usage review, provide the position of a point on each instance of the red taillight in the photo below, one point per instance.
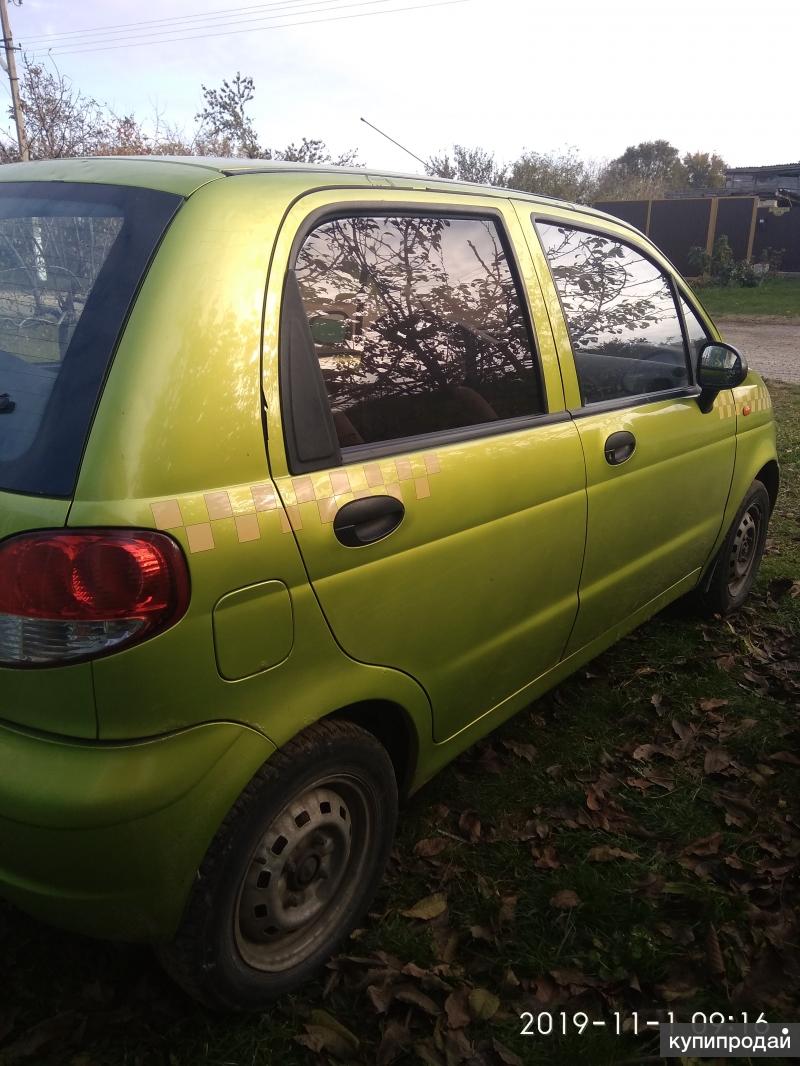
(79, 594)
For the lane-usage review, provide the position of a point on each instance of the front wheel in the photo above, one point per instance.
(290, 872)
(737, 562)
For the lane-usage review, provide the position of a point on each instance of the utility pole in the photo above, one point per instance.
(11, 67)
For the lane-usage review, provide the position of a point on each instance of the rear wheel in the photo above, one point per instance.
(290, 872)
(738, 560)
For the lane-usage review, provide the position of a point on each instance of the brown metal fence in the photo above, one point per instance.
(678, 225)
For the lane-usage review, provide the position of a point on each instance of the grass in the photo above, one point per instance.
(698, 913)
(776, 296)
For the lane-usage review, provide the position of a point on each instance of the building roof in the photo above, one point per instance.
(777, 168)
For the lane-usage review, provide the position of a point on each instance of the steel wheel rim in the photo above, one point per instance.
(744, 549)
(303, 874)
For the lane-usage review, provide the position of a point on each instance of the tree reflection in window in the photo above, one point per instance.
(417, 324)
(625, 331)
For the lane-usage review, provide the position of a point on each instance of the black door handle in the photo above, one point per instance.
(366, 520)
(619, 447)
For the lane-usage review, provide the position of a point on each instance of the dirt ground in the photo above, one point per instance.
(771, 344)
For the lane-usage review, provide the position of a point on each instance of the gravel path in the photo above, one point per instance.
(771, 344)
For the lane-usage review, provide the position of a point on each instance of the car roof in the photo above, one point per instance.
(184, 175)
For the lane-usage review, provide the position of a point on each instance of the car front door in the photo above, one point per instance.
(431, 474)
(658, 469)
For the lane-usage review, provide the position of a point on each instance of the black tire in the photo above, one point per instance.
(291, 871)
(736, 565)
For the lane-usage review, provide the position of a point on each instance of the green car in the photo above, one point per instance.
(310, 478)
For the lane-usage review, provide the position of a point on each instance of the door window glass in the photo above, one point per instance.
(695, 332)
(623, 323)
(417, 324)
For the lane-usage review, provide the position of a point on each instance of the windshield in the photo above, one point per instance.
(71, 259)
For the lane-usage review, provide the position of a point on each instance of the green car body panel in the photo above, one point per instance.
(116, 773)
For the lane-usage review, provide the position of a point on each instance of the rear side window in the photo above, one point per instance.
(417, 325)
(620, 310)
(71, 259)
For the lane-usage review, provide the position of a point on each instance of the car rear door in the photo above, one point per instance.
(431, 475)
(658, 469)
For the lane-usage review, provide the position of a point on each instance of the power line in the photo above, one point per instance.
(230, 33)
(144, 37)
(214, 15)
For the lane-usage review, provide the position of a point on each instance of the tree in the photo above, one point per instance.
(564, 175)
(643, 171)
(704, 170)
(225, 127)
(314, 151)
(59, 119)
(468, 164)
(62, 121)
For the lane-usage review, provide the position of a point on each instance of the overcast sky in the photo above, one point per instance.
(504, 74)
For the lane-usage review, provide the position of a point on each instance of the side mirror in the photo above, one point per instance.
(720, 366)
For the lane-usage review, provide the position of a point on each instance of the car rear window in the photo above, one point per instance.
(71, 259)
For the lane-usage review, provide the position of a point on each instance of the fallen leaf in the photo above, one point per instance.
(457, 1047)
(786, 757)
(483, 1004)
(565, 899)
(779, 586)
(545, 858)
(506, 1055)
(409, 993)
(394, 1039)
(381, 996)
(429, 847)
(457, 1009)
(525, 751)
(678, 988)
(645, 752)
(716, 759)
(427, 908)
(713, 705)
(481, 932)
(428, 1054)
(469, 823)
(603, 853)
(682, 730)
(508, 906)
(325, 1033)
(705, 845)
(716, 963)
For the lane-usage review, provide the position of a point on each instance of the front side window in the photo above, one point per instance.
(695, 332)
(624, 326)
(417, 324)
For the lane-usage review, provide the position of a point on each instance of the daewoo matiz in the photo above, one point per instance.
(310, 478)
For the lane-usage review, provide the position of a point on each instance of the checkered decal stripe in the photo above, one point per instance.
(198, 515)
(756, 397)
(760, 399)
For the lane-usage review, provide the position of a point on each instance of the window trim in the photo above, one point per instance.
(358, 453)
(620, 402)
(683, 392)
(681, 299)
(385, 208)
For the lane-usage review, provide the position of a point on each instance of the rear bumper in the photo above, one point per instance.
(105, 839)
